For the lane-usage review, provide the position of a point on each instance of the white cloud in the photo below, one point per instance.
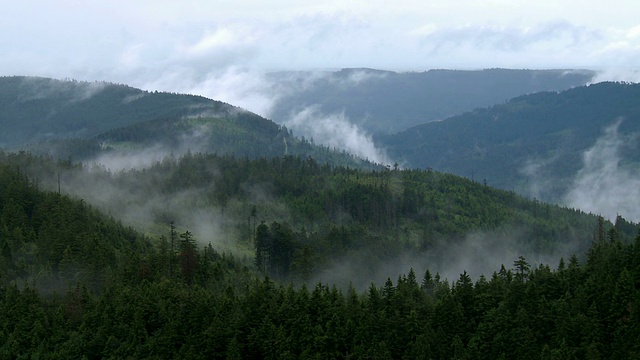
(336, 131)
(424, 30)
(604, 185)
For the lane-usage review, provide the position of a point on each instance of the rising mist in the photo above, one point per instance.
(607, 184)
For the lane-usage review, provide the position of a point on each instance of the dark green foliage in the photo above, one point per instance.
(332, 213)
(120, 299)
(170, 319)
(75, 283)
(49, 239)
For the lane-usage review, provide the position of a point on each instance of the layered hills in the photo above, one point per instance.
(233, 206)
(389, 102)
(538, 145)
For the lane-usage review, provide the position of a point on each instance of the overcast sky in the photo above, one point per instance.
(198, 46)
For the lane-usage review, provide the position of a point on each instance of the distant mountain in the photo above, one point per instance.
(389, 102)
(33, 109)
(81, 120)
(532, 144)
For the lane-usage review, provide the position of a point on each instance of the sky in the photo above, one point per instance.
(220, 49)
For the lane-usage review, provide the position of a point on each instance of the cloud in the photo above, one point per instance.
(336, 131)
(537, 172)
(121, 160)
(478, 253)
(606, 185)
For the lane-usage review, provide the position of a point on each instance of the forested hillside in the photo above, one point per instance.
(532, 144)
(93, 121)
(241, 135)
(125, 298)
(300, 220)
(33, 109)
(389, 102)
(49, 240)
(237, 240)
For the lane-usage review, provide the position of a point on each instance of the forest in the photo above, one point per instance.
(315, 218)
(77, 283)
(190, 229)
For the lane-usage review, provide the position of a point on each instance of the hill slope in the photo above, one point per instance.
(34, 109)
(333, 223)
(533, 144)
(84, 121)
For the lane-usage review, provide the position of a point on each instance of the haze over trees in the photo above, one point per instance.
(219, 234)
(127, 298)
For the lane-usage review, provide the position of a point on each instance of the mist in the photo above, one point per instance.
(607, 184)
(336, 131)
(72, 91)
(479, 253)
(537, 172)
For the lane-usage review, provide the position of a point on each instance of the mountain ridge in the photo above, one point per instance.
(547, 130)
(81, 120)
(385, 102)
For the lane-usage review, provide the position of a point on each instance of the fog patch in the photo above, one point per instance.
(88, 90)
(478, 253)
(537, 177)
(336, 131)
(36, 88)
(127, 156)
(606, 185)
(483, 252)
(619, 74)
(120, 160)
(132, 98)
(241, 87)
(140, 199)
(357, 77)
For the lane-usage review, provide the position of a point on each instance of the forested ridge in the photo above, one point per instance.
(90, 287)
(36, 109)
(81, 121)
(389, 102)
(533, 144)
(242, 134)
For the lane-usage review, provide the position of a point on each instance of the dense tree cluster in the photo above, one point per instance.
(577, 311)
(75, 283)
(49, 239)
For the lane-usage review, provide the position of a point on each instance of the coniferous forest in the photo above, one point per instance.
(77, 283)
(251, 243)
